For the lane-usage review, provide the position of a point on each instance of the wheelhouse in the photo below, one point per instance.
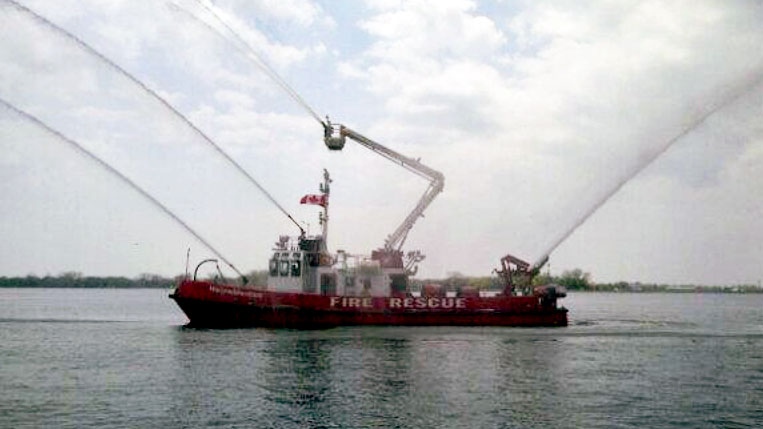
(303, 265)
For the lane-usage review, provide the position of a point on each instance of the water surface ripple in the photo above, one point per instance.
(121, 358)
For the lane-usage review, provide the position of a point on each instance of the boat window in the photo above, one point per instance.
(295, 268)
(313, 259)
(328, 284)
(309, 281)
(284, 268)
(273, 266)
(399, 283)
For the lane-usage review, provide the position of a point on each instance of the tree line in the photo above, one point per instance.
(77, 280)
(573, 280)
(74, 279)
(579, 280)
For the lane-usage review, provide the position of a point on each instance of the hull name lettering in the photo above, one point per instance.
(394, 302)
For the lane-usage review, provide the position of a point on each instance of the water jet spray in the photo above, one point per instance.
(113, 171)
(733, 94)
(104, 59)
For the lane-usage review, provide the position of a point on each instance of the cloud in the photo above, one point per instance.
(548, 110)
(303, 13)
(532, 110)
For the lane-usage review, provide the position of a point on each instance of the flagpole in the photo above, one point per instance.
(325, 191)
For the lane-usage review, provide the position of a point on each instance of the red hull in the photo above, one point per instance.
(212, 305)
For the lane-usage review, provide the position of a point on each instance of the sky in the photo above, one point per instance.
(535, 112)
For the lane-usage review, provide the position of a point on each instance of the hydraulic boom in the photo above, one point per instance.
(335, 136)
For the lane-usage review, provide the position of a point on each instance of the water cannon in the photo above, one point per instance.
(517, 273)
(536, 267)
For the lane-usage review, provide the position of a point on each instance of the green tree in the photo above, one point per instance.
(575, 280)
(455, 281)
(257, 278)
(544, 279)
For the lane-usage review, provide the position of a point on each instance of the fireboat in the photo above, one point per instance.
(308, 287)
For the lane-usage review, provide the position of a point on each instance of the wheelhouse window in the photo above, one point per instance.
(328, 284)
(296, 268)
(399, 283)
(284, 268)
(273, 267)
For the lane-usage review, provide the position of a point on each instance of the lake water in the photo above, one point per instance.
(121, 358)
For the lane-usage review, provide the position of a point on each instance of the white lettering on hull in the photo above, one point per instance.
(402, 303)
(351, 302)
(236, 292)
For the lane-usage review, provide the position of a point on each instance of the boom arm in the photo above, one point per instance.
(334, 138)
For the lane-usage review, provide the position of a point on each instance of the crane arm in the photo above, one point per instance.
(335, 136)
(396, 239)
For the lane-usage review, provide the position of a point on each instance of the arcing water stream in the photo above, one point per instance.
(105, 60)
(240, 44)
(106, 166)
(740, 89)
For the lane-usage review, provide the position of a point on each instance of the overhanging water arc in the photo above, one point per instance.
(334, 136)
(742, 87)
(246, 49)
(104, 59)
(126, 180)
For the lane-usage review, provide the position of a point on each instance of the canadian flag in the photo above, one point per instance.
(319, 200)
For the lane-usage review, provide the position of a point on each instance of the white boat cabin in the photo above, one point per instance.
(303, 265)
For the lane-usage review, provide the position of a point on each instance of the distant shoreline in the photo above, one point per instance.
(73, 280)
(671, 291)
(699, 289)
(86, 287)
(4, 284)
(77, 281)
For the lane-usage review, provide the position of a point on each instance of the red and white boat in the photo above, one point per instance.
(309, 287)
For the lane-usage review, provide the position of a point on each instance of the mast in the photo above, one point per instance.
(325, 189)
